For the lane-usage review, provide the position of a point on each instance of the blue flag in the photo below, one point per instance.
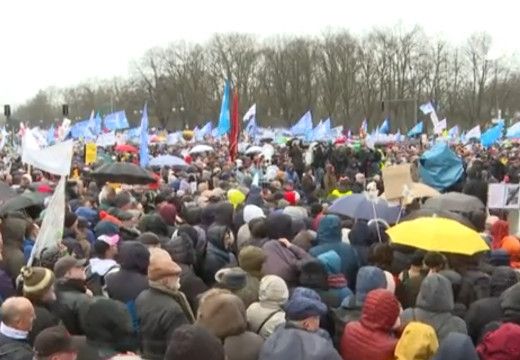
(492, 135)
(144, 157)
(385, 126)
(251, 127)
(224, 122)
(303, 126)
(416, 130)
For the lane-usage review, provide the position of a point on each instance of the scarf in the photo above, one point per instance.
(337, 281)
(178, 296)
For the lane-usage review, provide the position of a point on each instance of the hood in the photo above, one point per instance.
(512, 246)
(13, 231)
(331, 261)
(168, 213)
(368, 278)
(254, 197)
(329, 230)
(510, 304)
(190, 232)
(295, 212)
(216, 235)
(192, 215)
(134, 256)
(418, 342)
(380, 310)
(436, 294)
(224, 213)
(153, 223)
(208, 214)
(502, 278)
(499, 230)
(91, 215)
(501, 344)
(273, 289)
(279, 226)
(456, 346)
(252, 212)
(107, 320)
(181, 249)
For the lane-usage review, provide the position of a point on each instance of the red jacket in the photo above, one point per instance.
(371, 338)
(501, 344)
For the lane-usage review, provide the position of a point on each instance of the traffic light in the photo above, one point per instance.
(7, 110)
(65, 110)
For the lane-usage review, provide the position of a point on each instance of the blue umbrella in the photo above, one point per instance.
(360, 206)
(168, 160)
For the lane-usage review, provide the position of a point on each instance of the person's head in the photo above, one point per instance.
(434, 261)
(105, 247)
(164, 270)
(38, 284)
(68, 267)
(192, 342)
(71, 221)
(25, 181)
(304, 309)
(54, 343)
(417, 259)
(18, 313)
(381, 255)
(149, 239)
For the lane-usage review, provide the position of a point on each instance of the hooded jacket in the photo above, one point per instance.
(336, 280)
(329, 238)
(434, 306)
(501, 344)
(487, 310)
(13, 232)
(370, 338)
(456, 346)
(266, 314)
(418, 342)
(134, 259)
(217, 256)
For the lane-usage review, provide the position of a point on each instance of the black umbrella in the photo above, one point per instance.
(445, 214)
(124, 173)
(6, 192)
(21, 202)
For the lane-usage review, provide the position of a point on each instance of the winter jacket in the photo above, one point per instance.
(456, 346)
(13, 232)
(12, 349)
(160, 312)
(46, 316)
(434, 306)
(283, 261)
(371, 337)
(329, 238)
(417, 342)
(217, 256)
(72, 300)
(266, 314)
(501, 344)
(336, 280)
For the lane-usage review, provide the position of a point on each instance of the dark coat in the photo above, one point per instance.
(160, 314)
(217, 256)
(13, 232)
(11, 349)
(72, 299)
(46, 317)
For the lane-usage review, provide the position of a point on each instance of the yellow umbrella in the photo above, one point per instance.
(438, 234)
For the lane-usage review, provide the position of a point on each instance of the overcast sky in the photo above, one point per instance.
(58, 42)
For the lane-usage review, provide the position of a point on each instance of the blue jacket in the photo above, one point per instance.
(332, 263)
(329, 238)
(27, 248)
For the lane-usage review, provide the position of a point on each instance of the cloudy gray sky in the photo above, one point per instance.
(59, 42)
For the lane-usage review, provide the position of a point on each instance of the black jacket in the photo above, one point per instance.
(72, 299)
(46, 317)
(11, 349)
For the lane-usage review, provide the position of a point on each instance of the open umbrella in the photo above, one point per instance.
(126, 148)
(457, 202)
(201, 148)
(124, 173)
(254, 150)
(168, 160)
(422, 213)
(361, 206)
(21, 202)
(438, 234)
(6, 192)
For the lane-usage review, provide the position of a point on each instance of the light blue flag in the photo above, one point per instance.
(251, 128)
(204, 131)
(385, 126)
(416, 130)
(133, 133)
(513, 132)
(144, 156)
(303, 126)
(398, 136)
(50, 135)
(224, 122)
(321, 131)
(427, 108)
(492, 135)
(454, 131)
(116, 121)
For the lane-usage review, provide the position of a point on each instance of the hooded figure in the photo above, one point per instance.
(244, 234)
(418, 342)
(486, 310)
(218, 253)
(336, 280)
(266, 314)
(501, 344)
(13, 233)
(108, 326)
(370, 338)
(282, 257)
(329, 238)
(368, 278)
(456, 346)
(224, 315)
(434, 306)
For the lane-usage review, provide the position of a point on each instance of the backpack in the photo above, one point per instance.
(96, 282)
(475, 285)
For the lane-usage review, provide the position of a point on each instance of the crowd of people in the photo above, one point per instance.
(209, 264)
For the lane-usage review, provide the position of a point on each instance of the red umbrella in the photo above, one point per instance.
(126, 148)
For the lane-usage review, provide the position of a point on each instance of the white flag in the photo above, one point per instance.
(250, 113)
(434, 119)
(474, 133)
(441, 126)
(51, 231)
(54, 159)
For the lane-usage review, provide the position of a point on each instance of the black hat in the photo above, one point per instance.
(65, 264)
(53, 340)
(191, 342)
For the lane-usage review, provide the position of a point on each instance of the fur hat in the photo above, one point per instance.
(36, 281)
(222, 314)
(161, 265)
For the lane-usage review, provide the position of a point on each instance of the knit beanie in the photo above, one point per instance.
(36, 281)
(161, 265)
(251, 260)
(191, 342)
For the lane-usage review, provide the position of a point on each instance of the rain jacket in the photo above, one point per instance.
(329, 238)
(336, 280)
(418, 342)
(501, 344)
(434, 306)
(456, 346)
